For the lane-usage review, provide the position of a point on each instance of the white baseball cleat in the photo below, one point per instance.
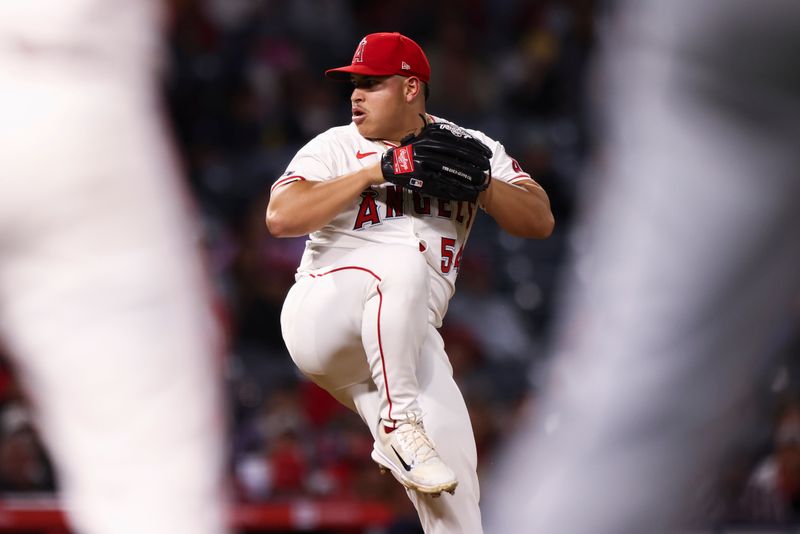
(411, 456)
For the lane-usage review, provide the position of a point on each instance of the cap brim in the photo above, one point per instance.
(343, 73)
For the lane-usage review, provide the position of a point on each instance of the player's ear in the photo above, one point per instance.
(413, 88)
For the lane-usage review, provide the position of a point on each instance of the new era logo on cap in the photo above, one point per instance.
(385, 54)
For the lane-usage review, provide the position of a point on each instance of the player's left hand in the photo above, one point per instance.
(443, 161)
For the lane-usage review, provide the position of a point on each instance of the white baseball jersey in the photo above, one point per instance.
(389, 213)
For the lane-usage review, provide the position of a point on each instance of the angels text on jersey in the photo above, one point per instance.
(392, 202)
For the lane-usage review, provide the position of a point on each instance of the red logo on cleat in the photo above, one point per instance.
(403, 163)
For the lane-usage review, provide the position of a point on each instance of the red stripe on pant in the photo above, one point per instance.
(380, 342)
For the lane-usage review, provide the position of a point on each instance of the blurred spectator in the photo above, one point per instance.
(264, 273)
(772, 493)
(24, 466)
(488, 314)
(272, 461)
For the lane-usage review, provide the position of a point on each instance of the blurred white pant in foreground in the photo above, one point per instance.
(103, 303)
(692, 272)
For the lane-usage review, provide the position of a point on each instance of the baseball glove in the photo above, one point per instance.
(443, 161)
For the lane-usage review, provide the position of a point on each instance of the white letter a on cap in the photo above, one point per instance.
(358, 57)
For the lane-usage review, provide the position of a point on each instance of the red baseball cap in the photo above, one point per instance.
(384, 54)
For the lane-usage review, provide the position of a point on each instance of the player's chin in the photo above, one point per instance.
(364, 128)
(367, 129)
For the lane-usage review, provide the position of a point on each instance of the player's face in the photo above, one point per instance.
(379, 106)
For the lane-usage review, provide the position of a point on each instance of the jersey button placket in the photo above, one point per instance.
(409, 205)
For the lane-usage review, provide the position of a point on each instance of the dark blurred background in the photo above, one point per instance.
(244, 89)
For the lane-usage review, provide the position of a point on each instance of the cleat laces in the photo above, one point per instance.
(412, 437)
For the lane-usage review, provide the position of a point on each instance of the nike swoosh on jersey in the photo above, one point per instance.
(361, 155)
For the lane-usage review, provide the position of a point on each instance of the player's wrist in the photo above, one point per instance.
(375, 174)
(484, 198)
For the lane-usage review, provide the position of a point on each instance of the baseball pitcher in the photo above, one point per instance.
(388, 202)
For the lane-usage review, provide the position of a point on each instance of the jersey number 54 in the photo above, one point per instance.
(451, 260)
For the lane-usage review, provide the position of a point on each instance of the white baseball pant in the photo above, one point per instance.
(361, 328)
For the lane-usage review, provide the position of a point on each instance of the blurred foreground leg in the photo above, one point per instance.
(693, 272)
(103, 303)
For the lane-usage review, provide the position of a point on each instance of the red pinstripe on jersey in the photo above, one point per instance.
(286, 180)
(380, 306)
